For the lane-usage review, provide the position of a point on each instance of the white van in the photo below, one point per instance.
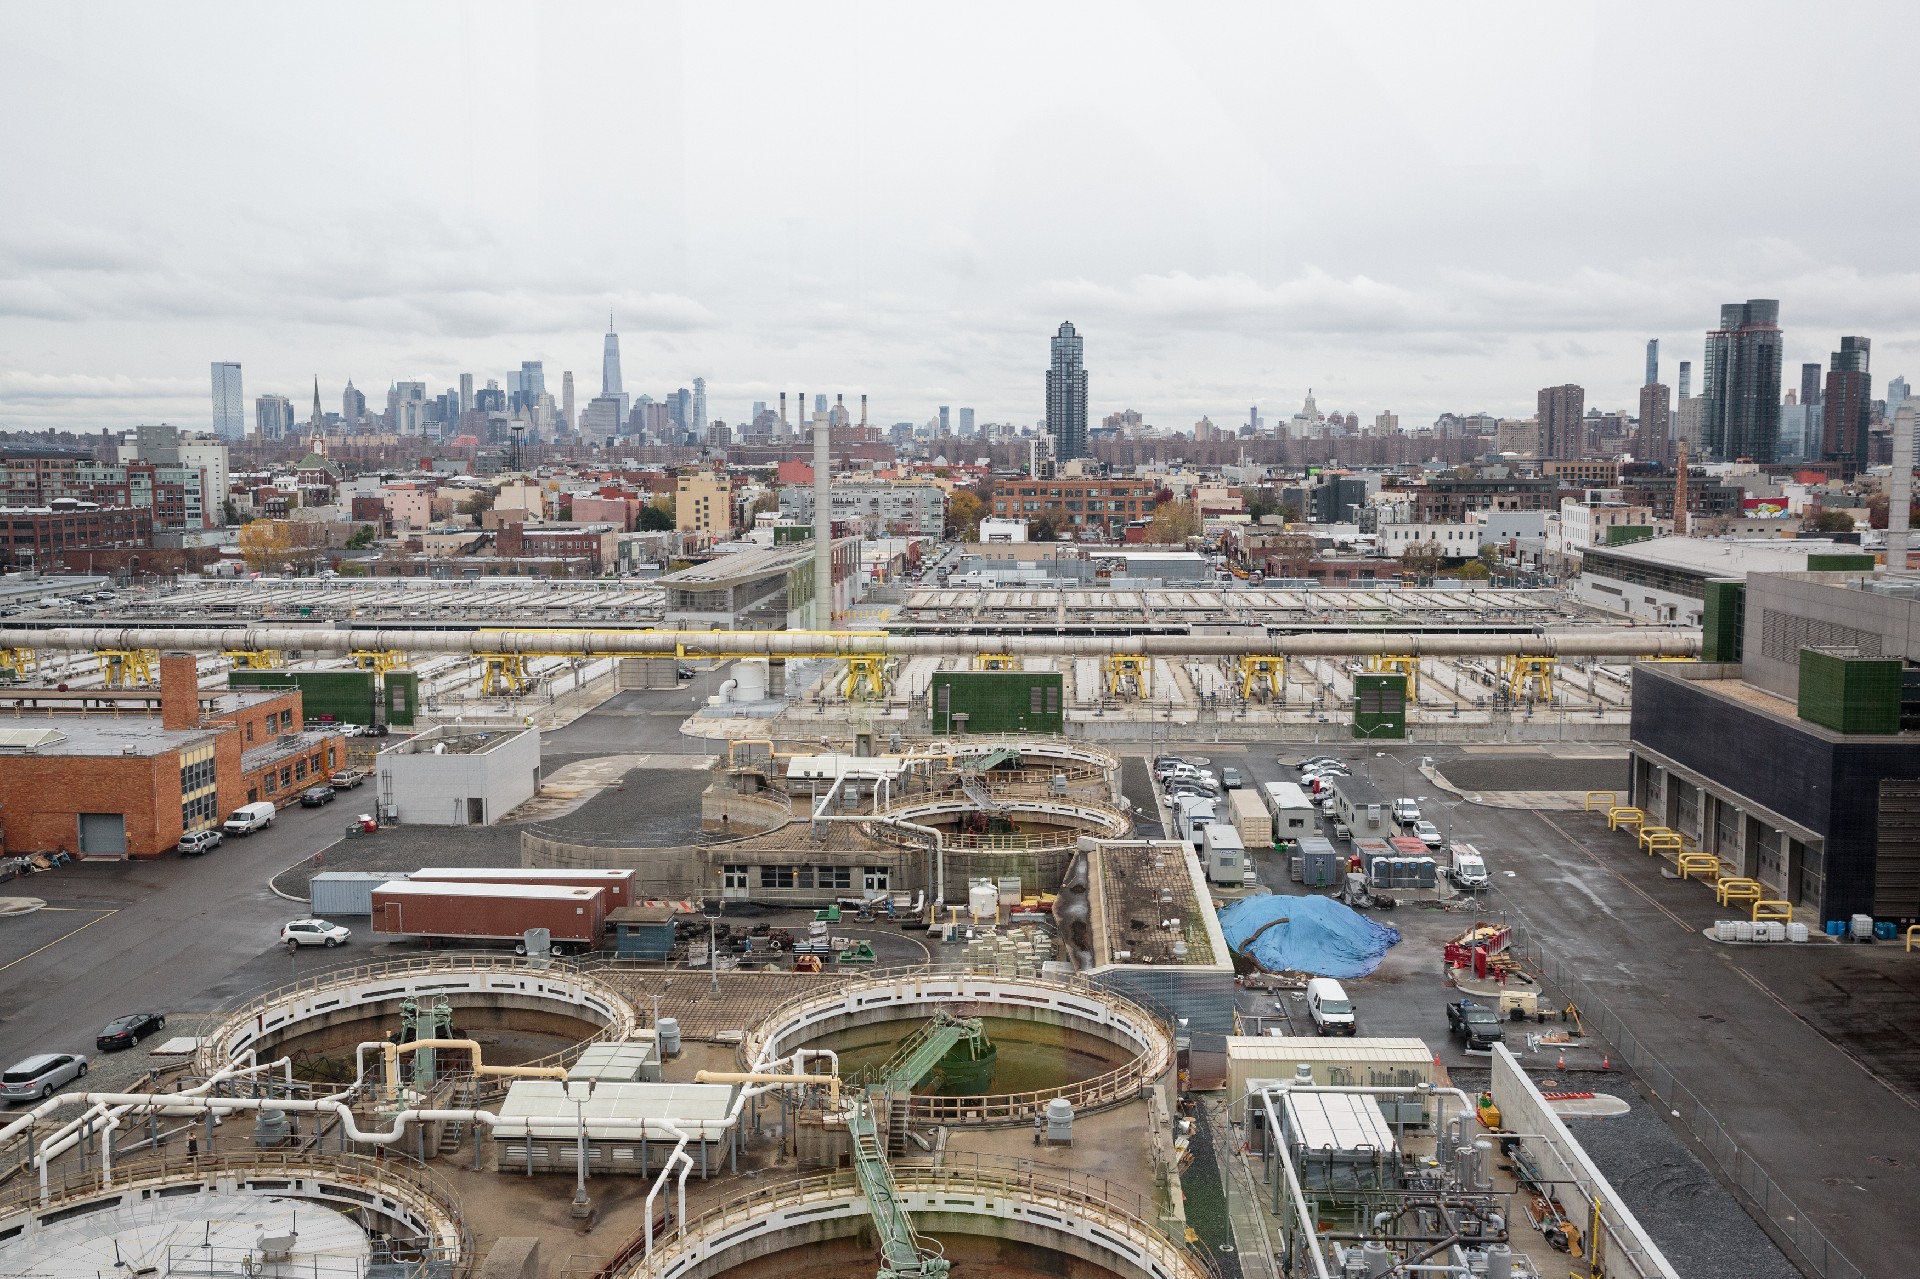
(1468, 870)
(1329, 1007)
(249, 818)
(1192, 814)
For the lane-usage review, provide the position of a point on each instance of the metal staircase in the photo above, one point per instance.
(921, 1051)
(904, 1254)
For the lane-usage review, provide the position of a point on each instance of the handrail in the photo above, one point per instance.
(1124, 1211)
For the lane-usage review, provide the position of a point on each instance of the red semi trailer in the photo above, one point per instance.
(575, 917)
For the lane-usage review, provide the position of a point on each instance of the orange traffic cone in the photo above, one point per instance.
(1436, 1059)
(1606, 1062)
(1562, 1063)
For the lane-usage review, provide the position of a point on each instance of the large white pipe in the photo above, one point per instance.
(822, 524)
(1641, 642)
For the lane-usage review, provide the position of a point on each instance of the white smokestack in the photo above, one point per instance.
(1900, 489)
(822, 525)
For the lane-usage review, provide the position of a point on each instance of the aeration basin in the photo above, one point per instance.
(1046, 1039)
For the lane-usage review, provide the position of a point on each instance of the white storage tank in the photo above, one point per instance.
(1723, 930)
(1742, 930)
(1776, 930)
(668, 1033)
(983, 899)
(1059, 1122)
(1862, 927)
(1796, 932)
(750, 680)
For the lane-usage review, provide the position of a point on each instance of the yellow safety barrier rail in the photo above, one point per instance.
(1912, 932)
(1650, 833)
(1618, 817)
(1706, 865)
(1602, 800)
(1773, 910)
(1736, 888)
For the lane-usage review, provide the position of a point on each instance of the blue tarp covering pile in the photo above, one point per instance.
(1321, 936)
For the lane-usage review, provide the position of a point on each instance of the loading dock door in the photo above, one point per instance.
(103, 834)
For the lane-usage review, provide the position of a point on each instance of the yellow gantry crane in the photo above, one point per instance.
(1398, 664)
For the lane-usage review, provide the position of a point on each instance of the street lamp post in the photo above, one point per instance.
(713, 914)
(578, 1092)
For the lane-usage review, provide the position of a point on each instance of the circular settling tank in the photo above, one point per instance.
(518, 1014)
(1043, 1039)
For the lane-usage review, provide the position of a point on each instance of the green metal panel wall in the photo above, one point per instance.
(1723, 624)
(1620, 534)
(346, 697)
(1380, 707)
(401, 698)
(1850, 694)
(1840, 563)
(998, 701)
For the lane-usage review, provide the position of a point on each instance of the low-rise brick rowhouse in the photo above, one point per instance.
(124, 773)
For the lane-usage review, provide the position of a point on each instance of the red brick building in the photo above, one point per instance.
(36, 535)
(163, 762)
(1104, 507)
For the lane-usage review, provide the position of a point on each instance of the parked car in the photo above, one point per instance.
(38, 1076)
(125, 1032)
(684, 672)
(1328, 1007)
(1230, 778)
(347, 778)
(317, 796)
(1427, 833)
(315, 932)
(249, 818)
(1405, 811)
(1479, 1024)
(196, 842)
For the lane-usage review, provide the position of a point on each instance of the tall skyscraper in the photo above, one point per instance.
(1741, 383)
(1656, 424)
(1686, 379)
(819, 404)
(966, 420)
(1067, 395)
(946, 420)
(273, 416)
(466, 393)
(1811, 376)
(1897, 393)
(1653, 362)
(229, 403)
(533, 381)
(353, 407)
(1562, 414)
(610, 362)
(700, 417)
(566, 400)
(1846, 406)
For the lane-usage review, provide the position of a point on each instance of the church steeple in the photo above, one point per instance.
(318, 421)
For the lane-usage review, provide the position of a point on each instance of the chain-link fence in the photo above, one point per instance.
(1815, 1250)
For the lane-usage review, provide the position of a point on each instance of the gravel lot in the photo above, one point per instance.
(1496, 773)
(1693, 1218)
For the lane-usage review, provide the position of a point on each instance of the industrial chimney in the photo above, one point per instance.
(822, 524)
(863, 408)
(783, 412)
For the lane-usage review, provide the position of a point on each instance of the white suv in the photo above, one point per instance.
(314, 932)
(1405, 811)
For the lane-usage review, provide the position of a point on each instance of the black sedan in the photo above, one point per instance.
(125, 1032)
(317, 796)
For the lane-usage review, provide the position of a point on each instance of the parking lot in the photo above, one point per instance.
(1804, 1054)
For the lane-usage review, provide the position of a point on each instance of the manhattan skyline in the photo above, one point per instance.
(1422, 215)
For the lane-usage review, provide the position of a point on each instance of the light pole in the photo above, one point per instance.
(578, 1092)
(713, 912)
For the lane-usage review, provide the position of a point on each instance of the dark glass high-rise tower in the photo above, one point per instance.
(1847, 406)
(1741, 383)
(1067, 396)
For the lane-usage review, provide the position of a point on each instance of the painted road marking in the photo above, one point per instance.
(56, 941)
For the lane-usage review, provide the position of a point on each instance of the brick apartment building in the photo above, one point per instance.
(594, 543)
(34, 536)
(1104, 507)
(130, 783)
(1448, 501)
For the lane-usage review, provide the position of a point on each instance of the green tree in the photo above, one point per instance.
(1173, 522)
(656, 516)
(1832, 522)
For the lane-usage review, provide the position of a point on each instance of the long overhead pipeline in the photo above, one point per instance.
(586, 642)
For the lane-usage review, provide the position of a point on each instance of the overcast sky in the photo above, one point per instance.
(1417, 207)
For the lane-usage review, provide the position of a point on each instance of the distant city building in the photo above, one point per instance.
(407, 408)
(1067, 396)
(1386, 423)
(466, 393)
(566, 400)
(946, 425)
(1562, 414)
(1656, 423)
(878, 508)
(229, 403)
(1741, 384)
(1686, 379)
(703, 503)
(966, 419)
(1847, 406)
(273, 416)
(353, 407)
(700, 419)
(1897, 393)
(1811, 377)
(1653, 362)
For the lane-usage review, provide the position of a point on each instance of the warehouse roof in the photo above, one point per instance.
(1719, 557)
(524, 892)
